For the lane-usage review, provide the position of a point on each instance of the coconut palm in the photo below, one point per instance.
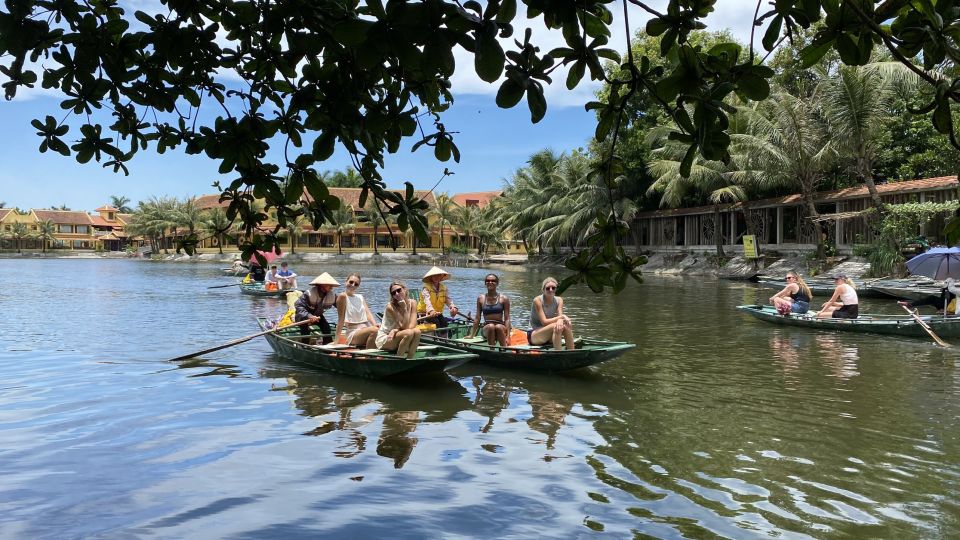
(374, 217)
(19, 232)
(342, 220)
(857, 101)
(120, 203)
(217, 224)
(445, 210)
(46, 229)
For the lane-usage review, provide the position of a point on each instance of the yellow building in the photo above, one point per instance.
(74, 229)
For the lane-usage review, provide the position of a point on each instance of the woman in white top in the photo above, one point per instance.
(354, 316)
(399, 328)
(844, 303)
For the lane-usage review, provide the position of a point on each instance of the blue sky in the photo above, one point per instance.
(493, 142)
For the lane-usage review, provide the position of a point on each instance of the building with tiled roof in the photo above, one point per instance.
(783, 223)
(476, 198)
(74, 229)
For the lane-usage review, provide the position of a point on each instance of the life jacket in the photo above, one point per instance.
(438, 299)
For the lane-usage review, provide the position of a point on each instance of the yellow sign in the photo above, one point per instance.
(750, 247)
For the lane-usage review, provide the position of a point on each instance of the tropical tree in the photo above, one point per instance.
(373, 215)
(19, 232)
(341, 221)
(154, 219)
(217, 224)
(524, 197)
(445, 210)
(46, 229)
(347, 178)
(186, 214)
(121, 204)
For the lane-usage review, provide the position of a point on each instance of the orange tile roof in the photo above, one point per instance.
(855, 192)
(479, 198)
(349, 196)
(125, 218)
(101, 222)
(205, 202)
(64, 217)
(4, 212)
(107, 208)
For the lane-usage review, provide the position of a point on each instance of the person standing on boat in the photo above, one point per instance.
(795, 297)
(947, 294)
(354, 316)
(844, 303)
(257, 272)
(434, 296)
(495, 309)
(286, 277)
(547, 321)
(399, 327)
(318, 299)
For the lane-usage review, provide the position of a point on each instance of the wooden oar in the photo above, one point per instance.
(237, 341)
(222, 286)
(926, 327)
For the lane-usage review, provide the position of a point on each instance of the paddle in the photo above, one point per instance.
(926, 327)
(222, 286)
(236, 341)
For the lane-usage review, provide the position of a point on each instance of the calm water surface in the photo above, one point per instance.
(715, 426)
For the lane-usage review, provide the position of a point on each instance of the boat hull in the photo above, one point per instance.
(529, 358)
(258, 290)
(866, 324)
(367, 364)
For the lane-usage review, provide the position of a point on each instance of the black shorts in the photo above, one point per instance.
(849, 311)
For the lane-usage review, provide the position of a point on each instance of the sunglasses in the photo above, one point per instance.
(790, 277)
(395, 292)
(550, 288)
(490, 280)
(353, 283)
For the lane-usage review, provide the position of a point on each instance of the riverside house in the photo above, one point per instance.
(782, 223)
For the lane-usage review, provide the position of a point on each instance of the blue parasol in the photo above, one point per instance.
(937, 263)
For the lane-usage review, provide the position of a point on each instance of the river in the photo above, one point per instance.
(716, 425)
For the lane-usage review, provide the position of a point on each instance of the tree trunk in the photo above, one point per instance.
(821, 230)
(375, 252)
(340, 243)
(717, 231)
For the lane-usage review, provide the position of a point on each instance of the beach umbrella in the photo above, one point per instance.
(937, 263)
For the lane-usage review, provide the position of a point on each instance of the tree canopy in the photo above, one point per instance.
(232, 79)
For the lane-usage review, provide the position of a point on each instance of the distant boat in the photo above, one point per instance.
(880, 288)
(257, 289)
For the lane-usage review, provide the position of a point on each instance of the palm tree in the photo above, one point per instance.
(120, 203)
(342, 220)
(787, 145)
(446, 211)
(857, 101)
(19, 231)
(45, 233)
(217, 224)
(348, 178)
(375, 219)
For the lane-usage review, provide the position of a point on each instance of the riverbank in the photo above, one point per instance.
(698, 264)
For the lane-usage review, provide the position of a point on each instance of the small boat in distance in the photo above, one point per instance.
(894, 325)
(367, 363)
(257, 289)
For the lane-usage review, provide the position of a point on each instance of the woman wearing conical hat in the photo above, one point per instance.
(434, 296)
(311, 306)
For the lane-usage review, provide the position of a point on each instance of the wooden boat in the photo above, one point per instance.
(368, 363)
(521, 355)
(257, 289)
(896, 325)
(915, 292)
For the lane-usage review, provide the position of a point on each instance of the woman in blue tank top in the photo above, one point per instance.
(495, 309)
(548, 324)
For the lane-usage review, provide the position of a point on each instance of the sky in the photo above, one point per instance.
(494, 142)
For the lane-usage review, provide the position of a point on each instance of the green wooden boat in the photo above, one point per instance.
(256, 289)
(369, 363)
(896, 325)
(527, 357)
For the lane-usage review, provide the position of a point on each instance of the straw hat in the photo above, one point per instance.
(436, 271)
(324, 279)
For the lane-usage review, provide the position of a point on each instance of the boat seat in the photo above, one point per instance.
(427, 348)
(337, 346)
(474, 339)
(376, 351)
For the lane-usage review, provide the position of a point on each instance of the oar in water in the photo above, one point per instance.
(926, 327)
(237, 341)
(222, 286)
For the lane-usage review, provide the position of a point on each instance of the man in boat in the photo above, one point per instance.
(947, 295)
(311, 305)
(257, 272)
(270, 281)
(238, 265)
(286, 277)
(434, 296)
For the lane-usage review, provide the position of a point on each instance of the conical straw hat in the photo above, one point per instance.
(436, 271)
(324, 279)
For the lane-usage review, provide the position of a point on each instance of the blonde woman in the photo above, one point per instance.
(844, 303)
(547, 321)
(354, 316)
(795, 297)
(399, 327)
